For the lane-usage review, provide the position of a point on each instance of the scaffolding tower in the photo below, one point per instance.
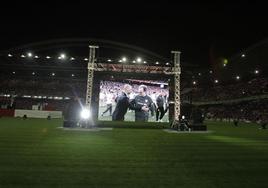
(90, 74)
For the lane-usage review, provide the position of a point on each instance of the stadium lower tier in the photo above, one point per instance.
(252, 110)
(30, 113)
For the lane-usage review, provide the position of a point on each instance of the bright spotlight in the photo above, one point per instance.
(237, 77)
(72, 75)
(109, 60)
(48, 57)
(144, 62)
(216, 81)
(243, 55)
(256, 71)
(29, 54)
(194, 82)
(9, 55)
(85, 114)
(157, 63)
(23, 56)
(183, 117)
(86, 59)
(139, 59)
(33, 73)
(72, 58)
(36, 57)
(53, 74)
(124, 59)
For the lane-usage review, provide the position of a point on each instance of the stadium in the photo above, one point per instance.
(38, 86)
(91, 112)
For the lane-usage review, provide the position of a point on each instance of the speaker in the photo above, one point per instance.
(197, 127)
(69, 124)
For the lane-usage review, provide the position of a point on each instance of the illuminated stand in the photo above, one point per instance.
(97, 70)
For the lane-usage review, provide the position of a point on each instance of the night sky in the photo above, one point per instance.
(197, 29)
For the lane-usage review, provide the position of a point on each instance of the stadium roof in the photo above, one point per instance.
(77, 49)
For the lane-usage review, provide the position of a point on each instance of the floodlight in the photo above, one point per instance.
(29, 54)
(124, 59)
(85, 113)
(62, 56)
(139, 59)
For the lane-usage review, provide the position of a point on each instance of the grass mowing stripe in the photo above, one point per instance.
(34, 153)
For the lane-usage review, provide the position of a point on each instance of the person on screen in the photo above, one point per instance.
(166, 104)
(122, 103)
(160, 101)
(142, 104)
(109, 103)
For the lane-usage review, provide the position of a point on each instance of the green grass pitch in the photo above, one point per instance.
(35, 153)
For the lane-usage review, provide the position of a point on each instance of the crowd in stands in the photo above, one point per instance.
(63, 88)
(236, 90)
(24, 94)
(48, 87)
(252, 110)
(30, 104)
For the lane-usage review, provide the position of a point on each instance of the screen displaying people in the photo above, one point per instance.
(135, 100)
